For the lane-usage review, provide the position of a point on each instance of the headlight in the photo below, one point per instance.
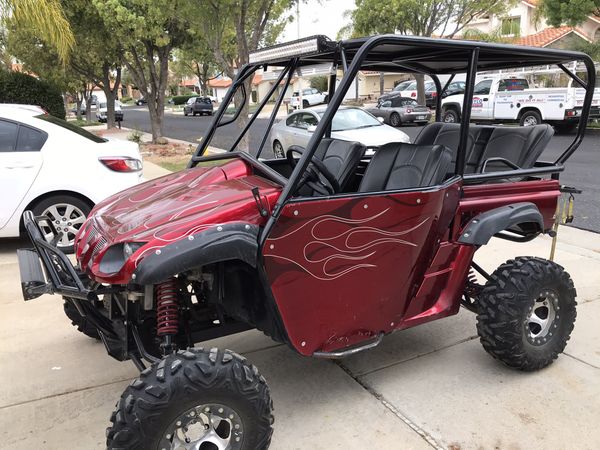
(115, 257)
(129, 248)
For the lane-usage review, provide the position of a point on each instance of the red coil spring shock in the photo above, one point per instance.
(167, 308)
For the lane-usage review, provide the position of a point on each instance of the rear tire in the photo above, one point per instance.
(186, 389)
(526, 313)
(80, 322)
(305, 104)
(530, 119)
(59, 203)
(278, 149)
(395, 120)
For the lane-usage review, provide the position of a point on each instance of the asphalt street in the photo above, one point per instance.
(582, 170)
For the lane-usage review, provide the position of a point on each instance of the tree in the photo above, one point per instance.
(149, 30)
(45, 18)
(236, 28)
(197, 58)
(571, 12)
(445, 18)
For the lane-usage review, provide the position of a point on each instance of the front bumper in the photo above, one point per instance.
(45, 269)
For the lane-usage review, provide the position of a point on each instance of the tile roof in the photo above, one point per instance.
(547, 36)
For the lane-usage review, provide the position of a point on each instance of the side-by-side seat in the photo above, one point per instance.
(521, 146)
(403, 166)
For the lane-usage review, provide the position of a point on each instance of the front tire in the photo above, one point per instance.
(305, 104)
(215, 398)
(451, 116)
(278, 150)
(526, 313)
(80, 322)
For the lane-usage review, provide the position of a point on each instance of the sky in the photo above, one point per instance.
(318, 17)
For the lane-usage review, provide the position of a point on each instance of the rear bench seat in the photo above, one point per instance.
(521, 146)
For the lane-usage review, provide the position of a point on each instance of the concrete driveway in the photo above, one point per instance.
(431, 386)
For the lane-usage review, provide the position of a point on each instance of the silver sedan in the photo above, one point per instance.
(349, 124)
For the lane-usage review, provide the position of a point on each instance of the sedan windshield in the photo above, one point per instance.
(351, 119)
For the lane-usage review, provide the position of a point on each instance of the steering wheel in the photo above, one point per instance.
(317, 175)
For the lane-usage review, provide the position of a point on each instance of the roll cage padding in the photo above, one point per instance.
(485, 225)
(234, 241)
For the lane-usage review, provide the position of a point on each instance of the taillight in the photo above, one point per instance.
(121, 163)
(413, 94)
(409, 110)
(570, 113)
(434, 94)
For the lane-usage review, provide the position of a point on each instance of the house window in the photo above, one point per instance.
(511, 26)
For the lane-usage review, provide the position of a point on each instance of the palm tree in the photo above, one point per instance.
(45, 18)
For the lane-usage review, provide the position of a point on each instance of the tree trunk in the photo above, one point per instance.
(79, 100)
(381, 83)
(420, 88)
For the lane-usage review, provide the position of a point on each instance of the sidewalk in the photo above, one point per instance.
(432, 386)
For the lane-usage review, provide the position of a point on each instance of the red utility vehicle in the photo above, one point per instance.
(327, 253)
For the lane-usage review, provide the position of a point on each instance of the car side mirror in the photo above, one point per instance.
(311, 128)
(381, 119)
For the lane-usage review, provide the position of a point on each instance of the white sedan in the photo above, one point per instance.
(349, 124)
(58, 170)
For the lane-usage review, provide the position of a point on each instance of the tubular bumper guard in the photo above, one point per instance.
(44, 268)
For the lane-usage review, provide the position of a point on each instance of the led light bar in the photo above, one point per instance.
(301, 47)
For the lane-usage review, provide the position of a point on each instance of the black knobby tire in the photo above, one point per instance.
(153, 402)
(530, 118)
(395, 120)
(506, 303)
(78, 321)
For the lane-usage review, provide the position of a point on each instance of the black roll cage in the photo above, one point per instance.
(431, 57)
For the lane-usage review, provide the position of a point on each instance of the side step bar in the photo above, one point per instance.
(350, 350)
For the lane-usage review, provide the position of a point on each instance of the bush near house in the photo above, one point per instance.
(17, 87)
(181, 99)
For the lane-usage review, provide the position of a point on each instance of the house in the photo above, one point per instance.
(523, 25)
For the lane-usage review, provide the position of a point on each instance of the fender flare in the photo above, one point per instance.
(233, 241)
(452, 105)
(485, 225)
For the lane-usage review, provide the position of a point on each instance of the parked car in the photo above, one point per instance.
(349, 124)
(141, 101)
(310, 97)
(102, 112)
(455, 87)
(58, 170)
(399, 110)
(405, 89)
(198, 105)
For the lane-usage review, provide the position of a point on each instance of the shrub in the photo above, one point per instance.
(126, 99)
(135, 136)
(17, 87)
(181, 99)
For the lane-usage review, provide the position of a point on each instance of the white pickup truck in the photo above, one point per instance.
(509, 99)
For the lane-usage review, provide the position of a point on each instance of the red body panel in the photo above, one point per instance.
(162, 211)
(343, 270)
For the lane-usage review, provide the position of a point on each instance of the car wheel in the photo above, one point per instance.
(530, 119)
(526, 313)
(67, 213)
(451, 116)
(395, 120)
(185, 113)
(305, 104)
(326, 99)
(278, 149)
(201, 399)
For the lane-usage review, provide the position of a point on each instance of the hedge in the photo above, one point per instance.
(181, 99)
(17, 87)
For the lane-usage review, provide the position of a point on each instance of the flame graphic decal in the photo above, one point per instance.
(331, 253)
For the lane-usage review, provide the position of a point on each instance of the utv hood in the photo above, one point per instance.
(162, 211)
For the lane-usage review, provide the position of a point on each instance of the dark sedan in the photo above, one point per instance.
(456, 87)
(399, 110)
(198, 105)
